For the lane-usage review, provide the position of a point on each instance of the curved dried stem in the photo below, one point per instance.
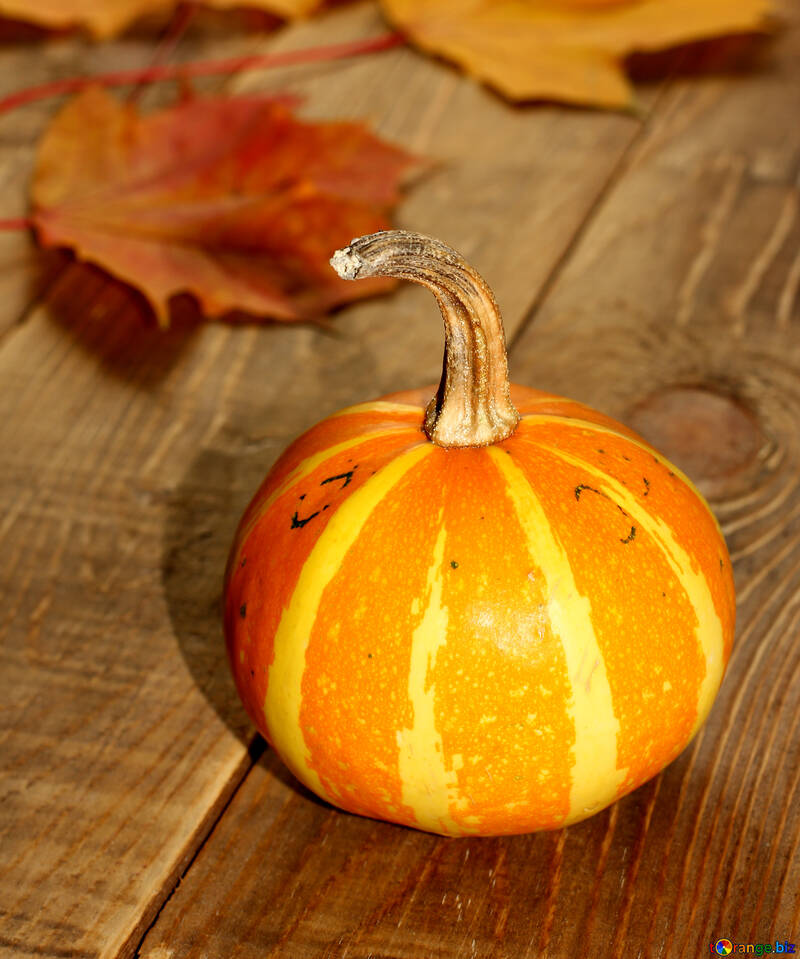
(472, 406)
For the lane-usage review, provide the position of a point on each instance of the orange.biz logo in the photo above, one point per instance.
(725, 947)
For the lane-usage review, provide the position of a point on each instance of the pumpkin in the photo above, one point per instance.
(495, 615)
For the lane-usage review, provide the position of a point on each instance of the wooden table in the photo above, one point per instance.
(648, 265)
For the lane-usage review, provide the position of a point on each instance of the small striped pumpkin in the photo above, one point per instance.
(493, 616)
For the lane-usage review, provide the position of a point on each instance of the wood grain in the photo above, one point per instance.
(678, 310)
(128, 456)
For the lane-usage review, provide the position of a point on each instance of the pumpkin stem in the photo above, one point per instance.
(472, 406)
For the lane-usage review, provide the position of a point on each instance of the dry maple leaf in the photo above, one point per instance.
(568, 50)
(231, 199)
(104, 18)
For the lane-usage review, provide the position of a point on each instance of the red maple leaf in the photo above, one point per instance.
(233, 200)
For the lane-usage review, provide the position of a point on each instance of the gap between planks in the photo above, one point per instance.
(150, 915)
(617, 173)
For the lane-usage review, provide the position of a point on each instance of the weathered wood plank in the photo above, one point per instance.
(128, 456)
(56, 698)
(679, 312)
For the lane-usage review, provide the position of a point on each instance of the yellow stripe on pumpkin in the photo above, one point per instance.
(303, 469)
(429, 787)
(709, 628)
(570, 615)
(284, 690)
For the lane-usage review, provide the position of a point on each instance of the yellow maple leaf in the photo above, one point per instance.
(569, 50)
(105, 18)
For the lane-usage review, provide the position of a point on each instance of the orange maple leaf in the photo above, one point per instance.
(570, 50)
(231, 199)
(104, 18)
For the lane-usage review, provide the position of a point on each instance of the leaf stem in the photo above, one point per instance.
(178, 25)
(16, 223)
(159, 72)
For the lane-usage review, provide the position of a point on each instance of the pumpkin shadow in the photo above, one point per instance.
(202, 514)
(201, 518)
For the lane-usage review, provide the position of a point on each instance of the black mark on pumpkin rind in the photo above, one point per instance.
(243, 610)
(302, 496)
(244, 561)
(454, 564)
(298, 523)
(369, 655)
(582, 487)
(340, 476)
(252, 672)
(626, 458)
(646, 482)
